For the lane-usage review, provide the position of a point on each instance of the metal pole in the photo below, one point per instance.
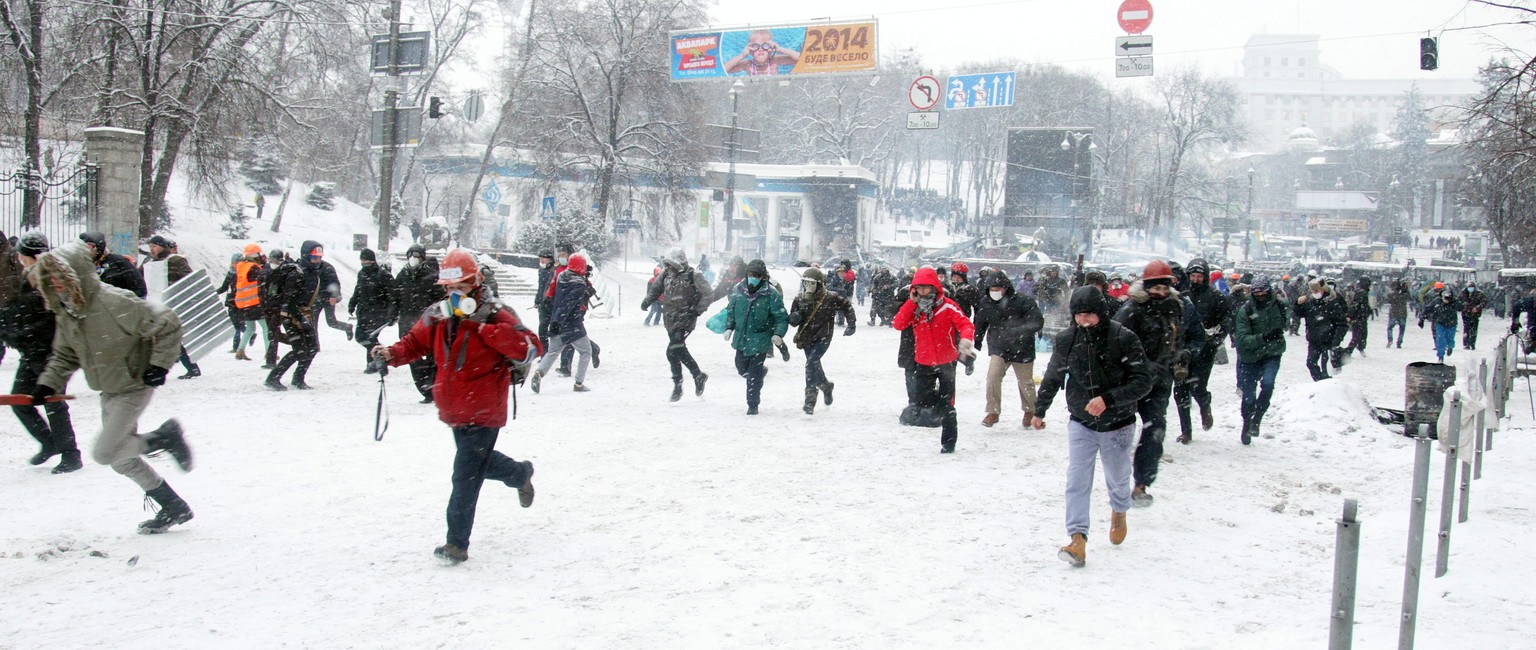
(385, 209)
(1415, 556)
(1482, 423)
(1452, 438)
(730, 176)
(1346, 563)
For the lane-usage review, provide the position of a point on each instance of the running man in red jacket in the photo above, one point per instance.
(477, 341)
(935, 321)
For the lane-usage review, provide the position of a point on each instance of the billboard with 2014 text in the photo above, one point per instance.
(769, 51)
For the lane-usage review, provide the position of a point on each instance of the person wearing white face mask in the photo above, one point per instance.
(1008, 322)
(416, 289)
(1324, 314)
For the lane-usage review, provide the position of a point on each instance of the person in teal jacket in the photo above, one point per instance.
(754, 322)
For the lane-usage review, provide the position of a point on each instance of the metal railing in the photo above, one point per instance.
(67, 202)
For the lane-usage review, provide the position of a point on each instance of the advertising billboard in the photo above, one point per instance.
(768, 51)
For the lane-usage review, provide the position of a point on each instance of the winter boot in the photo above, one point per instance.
(273, 384)
(989, 419)
(1140, 498)
(1076, 553)
(168, 438)
(68, 462)
(42, 455)
(698, 384)
(168, 507)
(1185, 435)
(192, 373)
(597, 357)
(580, 388)
(299, 384)
(752, 410)
(450, 554)
(826, 390)
(525, 491)
(677, 390)
(810, 400)
(1206, 419)
(1117, 528)
(1246, 437)
(533, 382)
(241, 355)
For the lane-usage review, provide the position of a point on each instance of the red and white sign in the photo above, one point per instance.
(1135, 16)
(924, 93)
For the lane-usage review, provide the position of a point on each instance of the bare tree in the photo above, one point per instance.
(1199, 113)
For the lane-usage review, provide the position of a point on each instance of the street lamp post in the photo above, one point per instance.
(1073, 141)
(1248, 216)
(730, 176)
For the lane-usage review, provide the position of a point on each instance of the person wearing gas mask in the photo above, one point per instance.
(813, 313)
(683, 293)
(416, 289)
(1170, 333)
(1008, 322)
(1260, 326)
(935, 320)
(567, 326)
(300, 300)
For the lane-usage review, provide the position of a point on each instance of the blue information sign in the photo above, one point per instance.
(987, 90)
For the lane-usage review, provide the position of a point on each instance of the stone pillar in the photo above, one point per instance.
(808, 249)
(771, 246)
(116, 154)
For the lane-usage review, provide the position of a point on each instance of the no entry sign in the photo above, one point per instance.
(1135, 16)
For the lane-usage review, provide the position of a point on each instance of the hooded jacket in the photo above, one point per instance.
(968, 296)
(934, 331)
(373, 297)
(568, 307)
(755, 317)
(1012, 322)
(109, 334)
(1260, 329)
(816, 314)
(1101, 361)
(1397, 300)
(683, 293)
(1165, 327)
(1440, 311)
(1473, 300)
(416, 289)
(473, 359)
(1325, 318)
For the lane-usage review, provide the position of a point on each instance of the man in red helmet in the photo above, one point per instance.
(478, 341)
(935, 321)
(1170, 332)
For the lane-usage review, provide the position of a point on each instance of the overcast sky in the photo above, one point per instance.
(1361, 38)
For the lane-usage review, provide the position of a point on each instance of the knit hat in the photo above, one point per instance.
(1262, 284)
(757, 268)
(158, 240)
(367, 255)
(1087, 300)
(32, 244)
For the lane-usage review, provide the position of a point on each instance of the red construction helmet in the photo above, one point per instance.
(959, 267)
(1157, 270)
(577, 264)
(458, 266)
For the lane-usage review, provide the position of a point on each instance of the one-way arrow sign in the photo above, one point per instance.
(1133, 45)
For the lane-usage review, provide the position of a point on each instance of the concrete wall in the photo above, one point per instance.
(116, 153)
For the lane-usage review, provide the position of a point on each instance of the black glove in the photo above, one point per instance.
(554, 330)
(849, 330)
(1274, 335)
(784, 350)
(40, 394)
(155, 376)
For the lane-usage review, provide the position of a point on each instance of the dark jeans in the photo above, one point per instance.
(1257, 377)
(1357, 333)
(423, 370)
(814, 375)
(475, 462)
(57, 432)
(935, 388)
(306, 345)
(1317, 360)
(332, 322)
(678, 356)
(1196, 387)
(544, 310)
(1153, 410)
(1401, 324)
(751, 366)
(1469, 324)
(653, 315)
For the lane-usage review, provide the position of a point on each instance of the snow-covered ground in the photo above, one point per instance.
(694, 525)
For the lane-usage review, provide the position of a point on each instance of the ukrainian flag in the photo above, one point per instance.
(746, 208)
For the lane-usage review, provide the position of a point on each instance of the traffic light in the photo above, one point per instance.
(1429, 54)
(435, 108)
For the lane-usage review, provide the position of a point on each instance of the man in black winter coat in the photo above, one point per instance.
(813, 312)
(1008, 322)
(301, 298)
(684, 294)
(416, 289)
(1170, 334)
(372, 304)
(1357, 311)
(966, 295)
(541, 302)
(113, 269)
(1473, 301)
(27, 326)
(272, 283)
(1326, 317)
(1106, 376)
(1215, 317)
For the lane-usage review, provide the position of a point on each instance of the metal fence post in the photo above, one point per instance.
(1346, 563)
(1452, 439)
(1415, 557)
(1482, 424)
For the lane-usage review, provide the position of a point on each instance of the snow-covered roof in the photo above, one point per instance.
(797, 171)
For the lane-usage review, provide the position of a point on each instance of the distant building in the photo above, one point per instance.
(1285, 88)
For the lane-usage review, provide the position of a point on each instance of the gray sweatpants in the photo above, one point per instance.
(557, 345)
(1114, 450)
(119, 444)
